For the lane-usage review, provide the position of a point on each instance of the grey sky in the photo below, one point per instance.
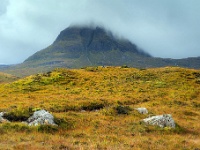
(163, 28)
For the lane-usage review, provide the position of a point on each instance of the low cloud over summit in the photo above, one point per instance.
(162, 28)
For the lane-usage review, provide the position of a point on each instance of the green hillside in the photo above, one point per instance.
(94, 109)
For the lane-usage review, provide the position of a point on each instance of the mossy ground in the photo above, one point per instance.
(94, 108)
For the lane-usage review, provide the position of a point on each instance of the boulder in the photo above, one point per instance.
(41, 117)
(162, 121)
(142, 110)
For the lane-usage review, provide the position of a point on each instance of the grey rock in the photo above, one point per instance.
(162, 121)
(142, 110)
(41, 117)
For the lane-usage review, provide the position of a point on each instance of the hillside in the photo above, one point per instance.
(94, 108)
(4, 66)
(4, 78)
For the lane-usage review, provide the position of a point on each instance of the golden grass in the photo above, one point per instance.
(98, 90)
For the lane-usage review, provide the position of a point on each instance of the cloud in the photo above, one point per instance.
(3, 6)
(162, 28)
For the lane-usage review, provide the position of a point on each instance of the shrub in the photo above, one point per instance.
(124, 66)
(123, 109)
(64, 123)
(108, 111)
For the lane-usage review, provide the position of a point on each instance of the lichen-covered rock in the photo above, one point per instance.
(162, 121)
(41, 117)
(142, 110)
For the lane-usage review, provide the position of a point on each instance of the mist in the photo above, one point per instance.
(167, 29)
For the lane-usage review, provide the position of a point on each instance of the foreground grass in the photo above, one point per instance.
(94, 108)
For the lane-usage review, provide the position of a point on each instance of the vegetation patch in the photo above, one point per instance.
(14, 127)
(124, 110)
(92, 69)
(90, 106)
(142, 128)
(47, 129)
(18, 114)
(65, 123)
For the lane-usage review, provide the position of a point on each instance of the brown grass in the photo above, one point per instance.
(99, 91)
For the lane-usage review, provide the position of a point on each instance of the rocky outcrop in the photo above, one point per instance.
(162, 121)
(41, 117)
(142, 110)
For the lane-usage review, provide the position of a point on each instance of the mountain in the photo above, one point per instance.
(77, 47)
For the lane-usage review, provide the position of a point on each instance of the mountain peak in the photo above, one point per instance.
(85, 34)
(73, 32)
(96, 39)
(78, 46)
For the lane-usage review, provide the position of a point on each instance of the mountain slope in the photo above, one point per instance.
(82, 46)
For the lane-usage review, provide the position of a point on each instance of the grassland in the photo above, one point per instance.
(4, 78)
(94, 109)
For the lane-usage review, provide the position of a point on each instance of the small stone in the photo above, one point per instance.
(142, 110)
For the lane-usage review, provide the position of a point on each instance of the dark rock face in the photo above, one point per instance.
(95, 39)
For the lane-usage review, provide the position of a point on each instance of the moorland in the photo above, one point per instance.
(94, 108)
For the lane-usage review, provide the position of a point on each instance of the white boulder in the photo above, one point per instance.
(41, 117)
(162, 121)
(142, 110)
